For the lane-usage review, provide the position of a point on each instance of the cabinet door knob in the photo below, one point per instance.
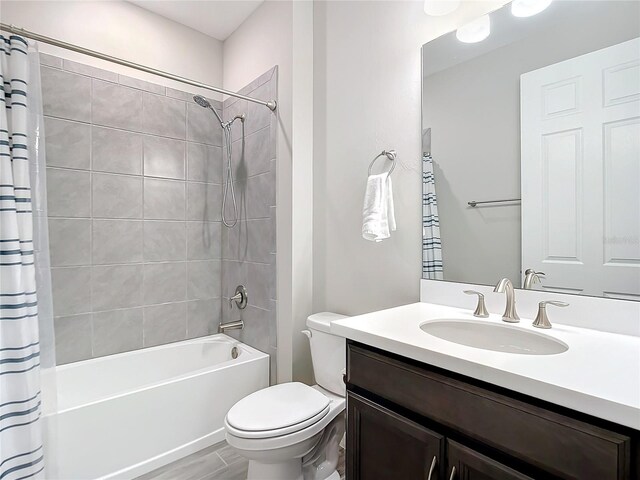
(453, 473)
(433, 467)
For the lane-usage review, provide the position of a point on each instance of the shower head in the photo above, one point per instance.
(203, 102)
(200, 100)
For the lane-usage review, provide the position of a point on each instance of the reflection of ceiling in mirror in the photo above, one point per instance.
(447, 51)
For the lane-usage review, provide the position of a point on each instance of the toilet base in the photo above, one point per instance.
(322, 461)
(291, 470)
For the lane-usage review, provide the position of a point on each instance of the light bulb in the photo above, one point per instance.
(438, 8)
(528, 8)
(475, 31)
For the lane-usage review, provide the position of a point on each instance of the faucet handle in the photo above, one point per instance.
(542, 320)
(481, 309)
(556, 303)
(236, 298)
(240, 298)
(530, 271)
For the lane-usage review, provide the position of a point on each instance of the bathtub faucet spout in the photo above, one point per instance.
(223, 327)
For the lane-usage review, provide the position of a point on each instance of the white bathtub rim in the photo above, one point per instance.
(254, 355)
(221, 337)
(218, 367)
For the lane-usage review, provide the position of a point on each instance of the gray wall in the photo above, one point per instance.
(249, 249)
(366, 99)
(473, 111)
(134, 173)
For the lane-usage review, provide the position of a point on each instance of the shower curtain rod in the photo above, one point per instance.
(271, 104)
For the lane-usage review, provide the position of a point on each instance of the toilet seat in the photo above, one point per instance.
(336, 406)
(278, 410)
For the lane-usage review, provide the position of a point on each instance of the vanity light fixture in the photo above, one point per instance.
(438, 8)
(475, 31)
(528, 8)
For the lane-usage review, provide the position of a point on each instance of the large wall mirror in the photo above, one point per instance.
(531, 150)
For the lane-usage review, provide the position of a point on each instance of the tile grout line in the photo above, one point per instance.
(130, 131)
(140, 133)
(142, 292)
(91, 240)
(220, 456)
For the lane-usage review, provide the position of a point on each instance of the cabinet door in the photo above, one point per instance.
(382, 445)
(466, 464)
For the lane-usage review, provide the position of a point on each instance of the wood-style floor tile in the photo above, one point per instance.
(217, 462)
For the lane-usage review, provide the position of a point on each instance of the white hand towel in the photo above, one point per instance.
(378, 218)
(391, 216)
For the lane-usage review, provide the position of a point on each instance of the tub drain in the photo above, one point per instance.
(234, 352)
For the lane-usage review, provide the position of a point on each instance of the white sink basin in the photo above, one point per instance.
(491, 336)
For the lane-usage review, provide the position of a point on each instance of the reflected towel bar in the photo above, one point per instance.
(473, 203)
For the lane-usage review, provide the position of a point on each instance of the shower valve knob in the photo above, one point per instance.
(241, 298)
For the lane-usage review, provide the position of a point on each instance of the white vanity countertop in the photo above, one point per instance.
(598, 375)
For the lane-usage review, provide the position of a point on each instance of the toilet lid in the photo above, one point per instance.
(277, 410)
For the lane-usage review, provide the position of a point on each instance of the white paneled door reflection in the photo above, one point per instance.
(580, 132)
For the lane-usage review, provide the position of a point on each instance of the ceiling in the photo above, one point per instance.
(216, 18)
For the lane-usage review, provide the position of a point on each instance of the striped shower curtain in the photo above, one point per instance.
(431, 246)
(21, 446)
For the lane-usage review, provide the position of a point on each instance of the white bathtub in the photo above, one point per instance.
(127, 414)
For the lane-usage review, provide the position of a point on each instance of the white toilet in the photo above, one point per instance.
(292, 431)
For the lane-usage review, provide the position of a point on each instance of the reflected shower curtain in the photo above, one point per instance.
(431, 245)
(26, 325)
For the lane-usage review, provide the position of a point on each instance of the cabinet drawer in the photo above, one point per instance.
(560, 445)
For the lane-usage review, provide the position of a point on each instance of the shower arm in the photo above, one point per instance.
(240, 117)
(270, 104)
(204, 103)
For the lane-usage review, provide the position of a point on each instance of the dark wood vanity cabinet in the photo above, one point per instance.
(386, 445)
(410, 421)
(389, 445)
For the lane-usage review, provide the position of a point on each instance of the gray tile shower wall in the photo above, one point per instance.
(249, 249)
(134, 186)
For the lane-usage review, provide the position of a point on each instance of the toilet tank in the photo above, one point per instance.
(328, 352)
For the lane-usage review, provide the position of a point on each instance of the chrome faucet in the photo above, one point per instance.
(530, 278)
(223, 327)
(505, 286)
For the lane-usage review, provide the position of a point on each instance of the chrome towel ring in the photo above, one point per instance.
(391, 156)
